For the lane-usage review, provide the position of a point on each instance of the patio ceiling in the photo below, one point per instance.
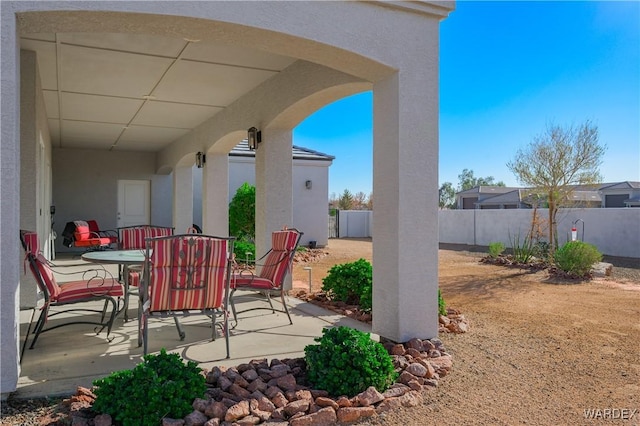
(132, 92)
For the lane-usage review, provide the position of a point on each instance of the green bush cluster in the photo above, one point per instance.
(160, 386)
(242, 213)
(495, 249)
(347, 362)
(350, 283)
(577, 257)
(442, 307)
(241, 248)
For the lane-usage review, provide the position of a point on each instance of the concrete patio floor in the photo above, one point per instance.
(74, 355)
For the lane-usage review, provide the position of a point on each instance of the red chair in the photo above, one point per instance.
(184, 275)
(274, 267)
(83, 237)
(96, 284)
(107, 233)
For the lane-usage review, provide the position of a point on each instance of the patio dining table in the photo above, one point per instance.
(126, 258)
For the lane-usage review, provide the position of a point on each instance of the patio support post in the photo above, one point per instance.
(274, 200)
(405, 184)
(182, 198)
(10, 223)
(215, 195)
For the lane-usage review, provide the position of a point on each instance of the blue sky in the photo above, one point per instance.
(507, 69)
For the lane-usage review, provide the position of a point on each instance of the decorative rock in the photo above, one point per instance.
(343, 401)
(324, 416)
(413, 353)
(411, 399)
(388, 404)
(300, 406)
(406, 377)
(442, 363)
(279, 400)
(326, 402)
(395, 392)
(279, 370)
(216, 409)
(415, 343)
(237, 411)
(417, 369)
(257, 385)
(200, 404)
(369, 397)
(303, 394)
(397, 349)
(250, 375)
(602, 269)
(287, 382)
(239, 391)
(224, 383)
(353, 414)
(248, 421)
(195, 418)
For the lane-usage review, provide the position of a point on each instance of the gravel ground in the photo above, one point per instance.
(538, 352)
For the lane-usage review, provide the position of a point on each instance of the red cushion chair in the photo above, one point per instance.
(185, 275)
(107, 233)
(84, 237)
(97, 284)
(274, 267)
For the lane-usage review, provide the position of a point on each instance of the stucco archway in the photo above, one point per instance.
(400, 62)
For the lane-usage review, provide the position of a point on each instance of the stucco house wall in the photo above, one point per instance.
(309, 204)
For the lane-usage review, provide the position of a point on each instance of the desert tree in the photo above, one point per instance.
(447, 196)
(345, 202)
(466, 180)
(557, 160)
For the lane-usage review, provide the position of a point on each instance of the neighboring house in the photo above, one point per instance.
(473, 198)
(310, 188)
(621, 194)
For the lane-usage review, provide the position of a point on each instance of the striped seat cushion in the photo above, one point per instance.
(253, 282)
(187, 273)
(78, 290)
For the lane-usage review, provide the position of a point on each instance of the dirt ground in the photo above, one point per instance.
(536, 353)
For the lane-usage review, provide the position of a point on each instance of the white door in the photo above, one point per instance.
(134, 200)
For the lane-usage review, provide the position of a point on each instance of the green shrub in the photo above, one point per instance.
(350, 283)
(241, 248)
(541, 250)
(347, 362)
(242, 213)
(495, 249)
(577, 257)
(442, 307)
(522, 250)
(160, 386)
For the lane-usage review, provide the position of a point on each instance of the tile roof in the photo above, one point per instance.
(299, 153)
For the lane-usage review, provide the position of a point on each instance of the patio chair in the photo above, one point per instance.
(104, 233)
(273, 269)
(133, 238)
(78, 234)
(184, 275)
(96, 285)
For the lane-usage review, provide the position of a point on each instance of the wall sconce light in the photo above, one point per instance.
(254, 137)
(201, 158)
(307, 184)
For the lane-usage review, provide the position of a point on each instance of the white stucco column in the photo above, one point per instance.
(10, 184)
(274, 201)
(182, 198)
(215, 195)
(29, 167)
(405, 184)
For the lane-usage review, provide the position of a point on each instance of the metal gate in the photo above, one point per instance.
(334, 223)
